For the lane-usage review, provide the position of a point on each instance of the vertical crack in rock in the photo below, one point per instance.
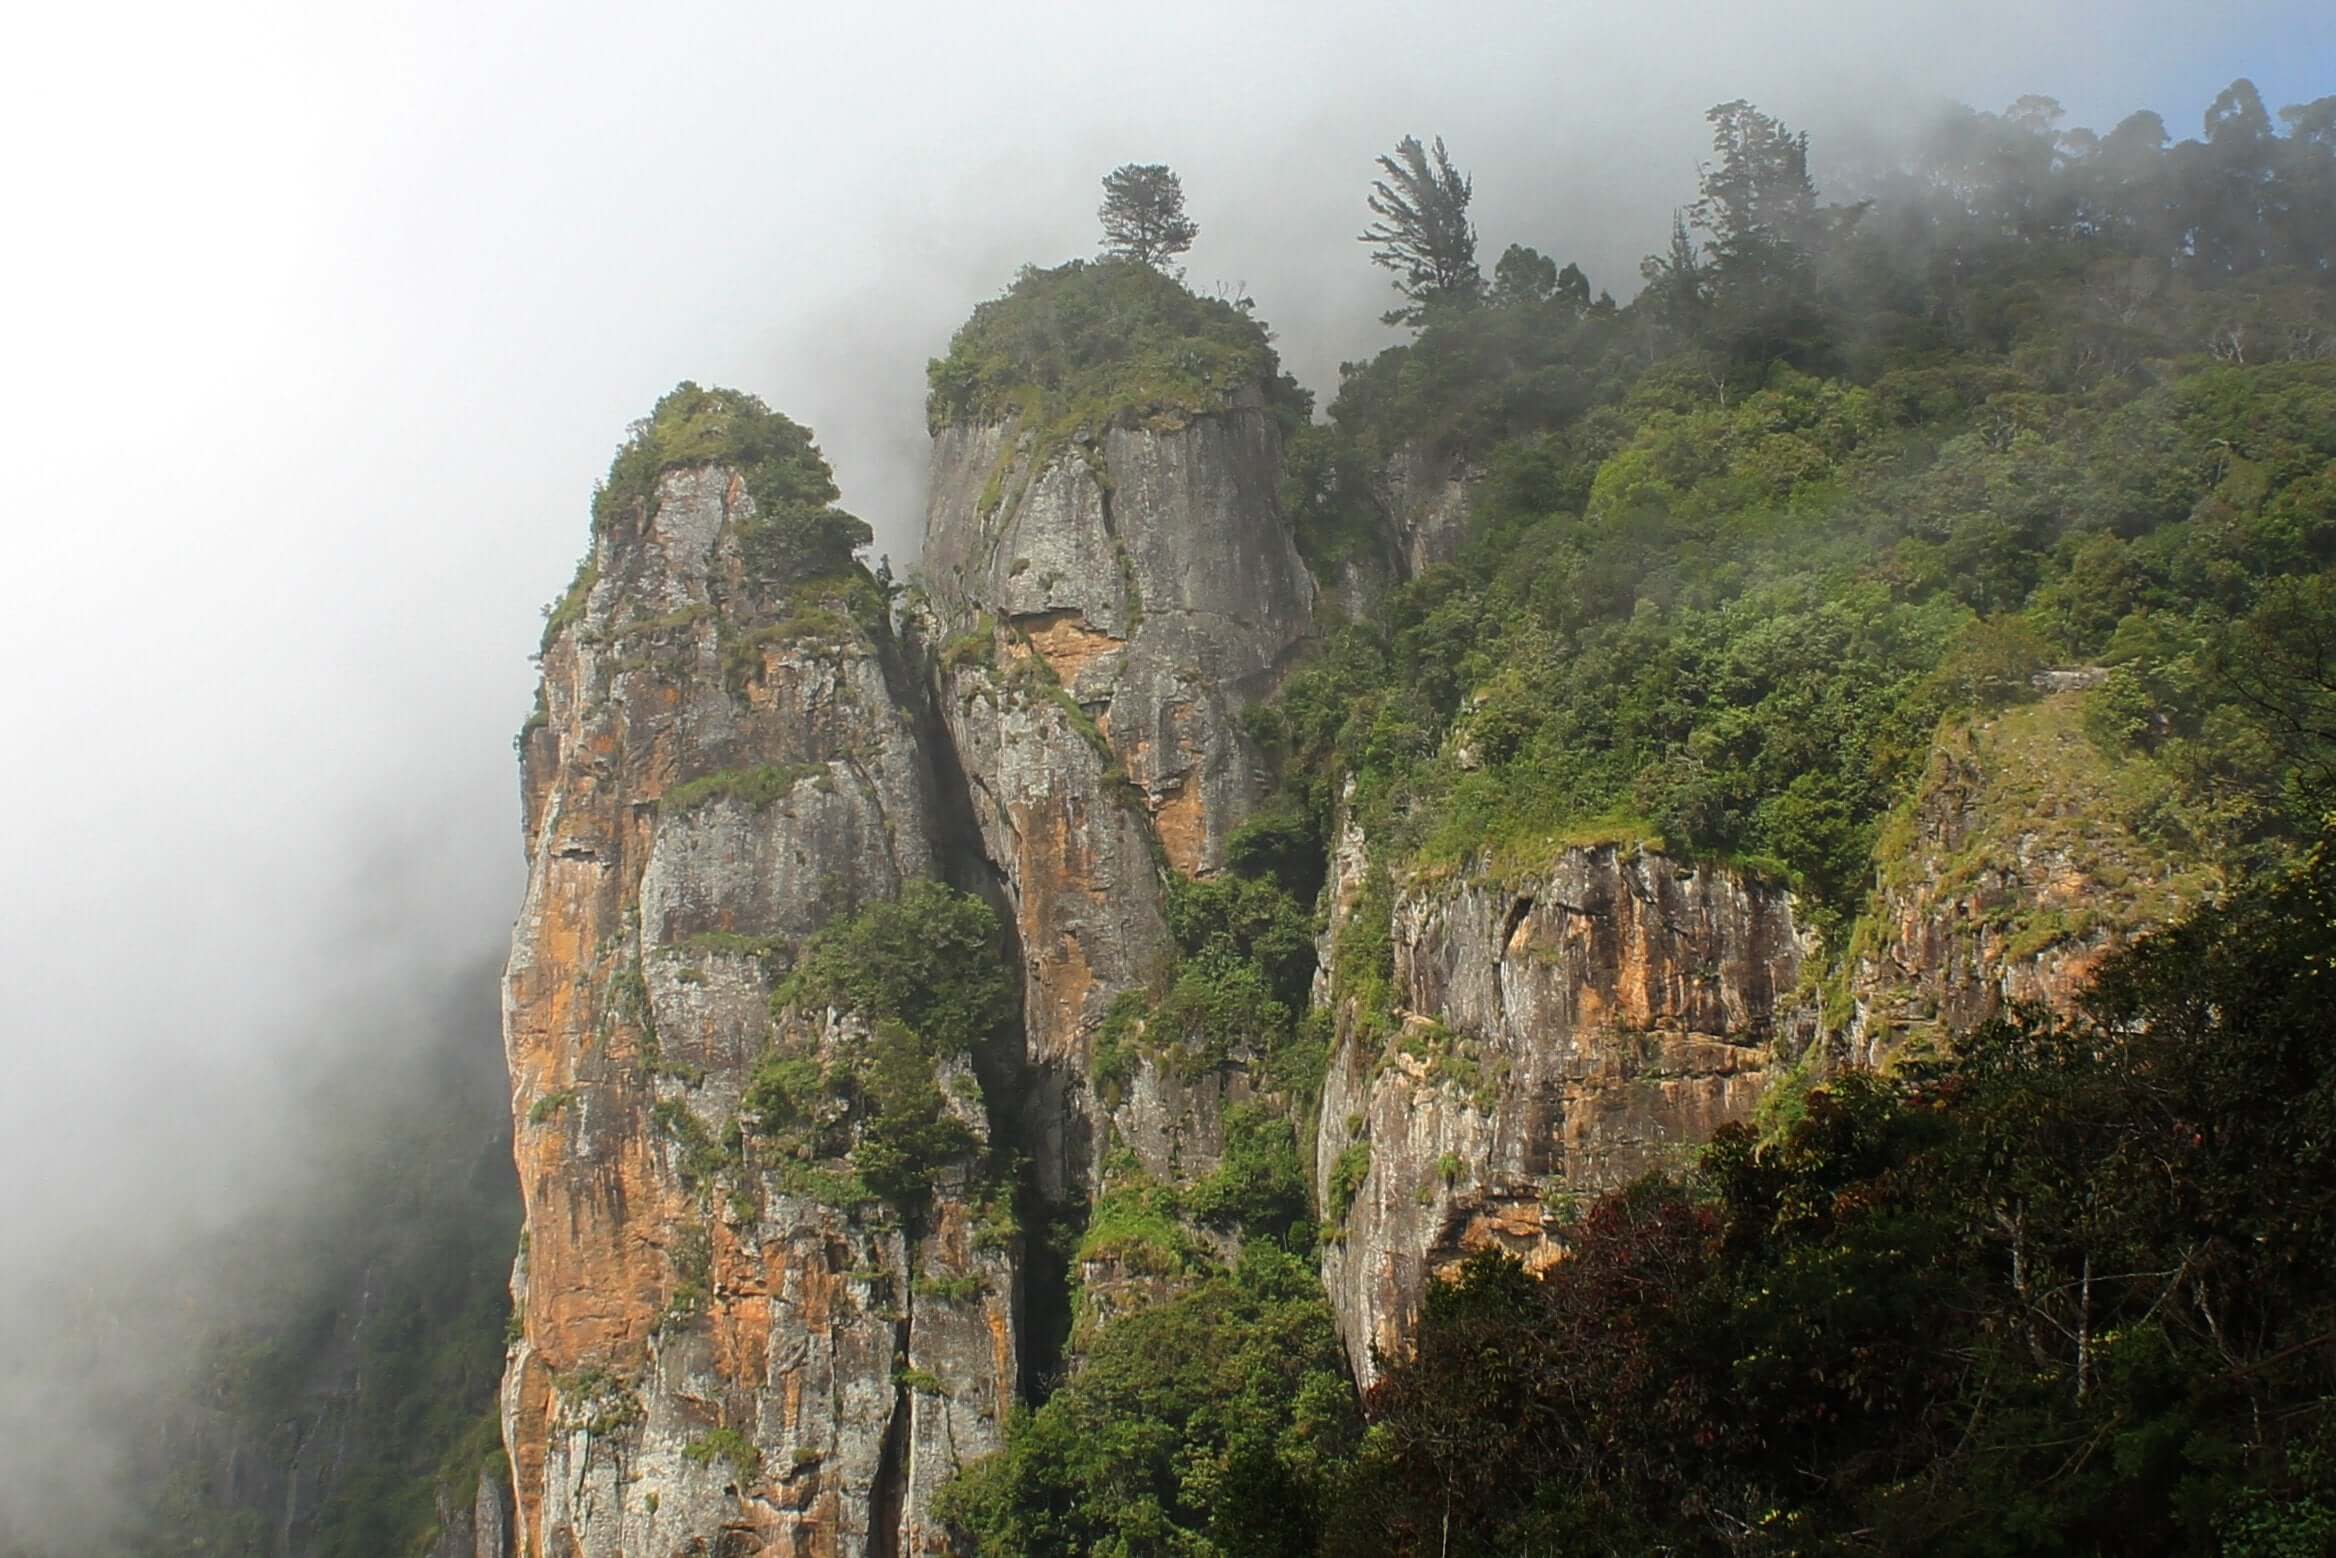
(1101, 629)
(1150, 570)
(888, 1498)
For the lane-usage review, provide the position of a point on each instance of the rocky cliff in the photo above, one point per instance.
(1507, 1048)
(743, 1325)
(1106, 607)
(1424, 493)
(717, 1349)
(1537, 1041)
(725, 1338)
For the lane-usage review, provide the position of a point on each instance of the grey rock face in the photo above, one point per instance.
(481, 1529)
(710, 1353)
(1073, 847)
(1152, 572)
(1550, 1040)
(490, 1520)
(1105, 611)
(1426, 495)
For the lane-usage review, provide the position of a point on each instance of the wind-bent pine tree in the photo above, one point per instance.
(1423, 234)
(1143, 213)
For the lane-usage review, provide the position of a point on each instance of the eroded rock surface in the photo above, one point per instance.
(1104, 610)
(1426, 495)
(1549, 1040)
(2024, 859)
(711, 1356)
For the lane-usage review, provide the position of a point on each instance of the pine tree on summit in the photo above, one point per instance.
(1423, 233)
(1143, 214)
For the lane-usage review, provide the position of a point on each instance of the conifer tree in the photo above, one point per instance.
(1423, 233)
(1143, 214)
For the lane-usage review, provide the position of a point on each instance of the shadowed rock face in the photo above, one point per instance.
(1106, 609)
(707, 1354)
(1551, 1039)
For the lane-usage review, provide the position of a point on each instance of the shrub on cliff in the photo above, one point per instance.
(907, 1132)
(1203, 1424)
(925, 972)
(928, 959)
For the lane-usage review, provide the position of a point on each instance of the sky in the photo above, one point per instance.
(320, 321)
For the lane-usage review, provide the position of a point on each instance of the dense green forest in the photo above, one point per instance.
(2068, 1291)
(1849, 468)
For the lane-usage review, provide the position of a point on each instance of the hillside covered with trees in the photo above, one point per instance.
(1853, 474)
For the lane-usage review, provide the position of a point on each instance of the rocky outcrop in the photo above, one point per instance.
(2023, 859)
(725, 1344)
(1105, 609)
(479, 1528)
(728, 1342)
(718, 1353)
(1547, 1039)
(1543, 1040)
(1426, 494)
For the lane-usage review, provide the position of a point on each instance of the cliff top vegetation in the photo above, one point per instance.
(798, 531)
(1095, 342)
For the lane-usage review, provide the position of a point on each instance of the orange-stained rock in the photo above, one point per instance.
(2022, 860)
(1554, 1037)
(1065, 641)
(706, 1354)
(1151, 569)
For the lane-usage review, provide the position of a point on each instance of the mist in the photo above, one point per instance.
(322, 322)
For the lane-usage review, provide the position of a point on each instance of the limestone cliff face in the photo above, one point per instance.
(1105, 609)
(1549, 1039)
(2024, 858)
(710, 1357)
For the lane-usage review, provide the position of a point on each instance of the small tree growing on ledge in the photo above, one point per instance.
(1143, 213)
